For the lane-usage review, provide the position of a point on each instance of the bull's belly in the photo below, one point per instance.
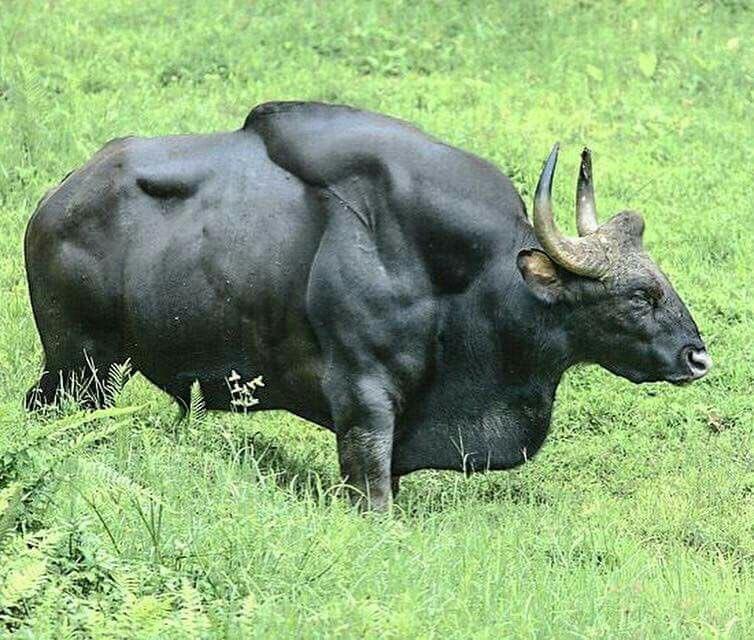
(198, 311)
(225, 354)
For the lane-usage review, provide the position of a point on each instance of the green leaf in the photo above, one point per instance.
(594, 72)
(24, 580)
(647, 63)
(10, 500)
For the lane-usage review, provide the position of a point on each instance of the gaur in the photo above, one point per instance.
(388, 286)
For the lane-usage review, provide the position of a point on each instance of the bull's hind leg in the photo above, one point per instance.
(74, 296)
(80, 344)
(90, 377)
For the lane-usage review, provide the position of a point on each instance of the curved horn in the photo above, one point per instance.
(586, 210)
(583, 256)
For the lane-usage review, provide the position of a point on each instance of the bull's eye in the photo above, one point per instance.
(642, 301)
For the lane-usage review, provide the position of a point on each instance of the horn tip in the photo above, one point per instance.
(553, 157)
(586, 163)
(544, 184)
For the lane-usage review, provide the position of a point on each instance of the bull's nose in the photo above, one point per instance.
(698, 361)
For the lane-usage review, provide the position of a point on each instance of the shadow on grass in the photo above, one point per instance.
(299, 466)
(308, 471)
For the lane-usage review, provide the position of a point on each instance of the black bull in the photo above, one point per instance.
(389, 287)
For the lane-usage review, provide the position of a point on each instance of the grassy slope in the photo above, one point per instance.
(636, 520)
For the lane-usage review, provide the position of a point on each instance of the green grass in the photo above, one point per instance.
(637, 518)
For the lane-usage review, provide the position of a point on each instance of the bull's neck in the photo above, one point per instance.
(524, 340)
(489, 402)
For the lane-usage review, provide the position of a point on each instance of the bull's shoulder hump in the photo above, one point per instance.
(323, 118)
(322, 143)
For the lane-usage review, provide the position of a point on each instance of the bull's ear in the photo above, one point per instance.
(541, 274)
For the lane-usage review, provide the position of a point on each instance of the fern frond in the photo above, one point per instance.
(197, 408)
(43, 541)
(111, 479)
(245, 614)
(192, 619)
(10, 500)
(27, 95)
(23, 581)
(24, 567)
(53, 431)
(127, 583)
(117, 378)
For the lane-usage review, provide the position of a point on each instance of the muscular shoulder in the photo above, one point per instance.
(325, 144)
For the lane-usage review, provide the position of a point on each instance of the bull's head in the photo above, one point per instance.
(620, 309)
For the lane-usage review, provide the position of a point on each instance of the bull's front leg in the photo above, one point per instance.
(365, 467)
(352, 305)
(365, 444)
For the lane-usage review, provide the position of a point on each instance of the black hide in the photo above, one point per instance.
(366, 270)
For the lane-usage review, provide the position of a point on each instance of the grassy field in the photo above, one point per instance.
(637, 518)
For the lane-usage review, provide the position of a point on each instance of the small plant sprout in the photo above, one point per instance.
(242, 393)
